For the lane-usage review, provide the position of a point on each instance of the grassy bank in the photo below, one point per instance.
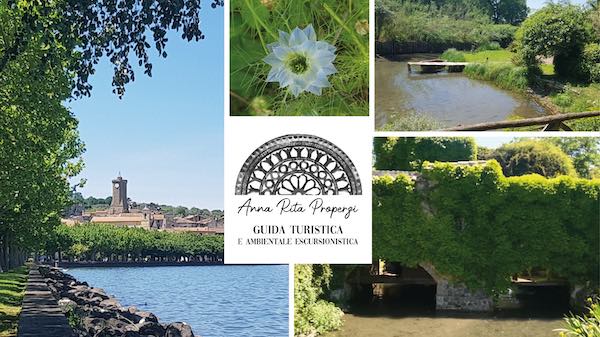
(12, 288)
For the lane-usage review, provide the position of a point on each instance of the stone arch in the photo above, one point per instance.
(298, 164)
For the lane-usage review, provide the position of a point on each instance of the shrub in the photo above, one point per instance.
(504, 75)
(453, 55)
(591, 62)
(489, 46)
(313, 315)
(533, 156)
(583, 326)
(408, 153)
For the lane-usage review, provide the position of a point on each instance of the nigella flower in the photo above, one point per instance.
(300, 62)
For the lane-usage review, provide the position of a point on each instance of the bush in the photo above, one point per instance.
(591, 61)
(453, 55)
(479, 227)
(313, 315)
(489, 46)
(408, 153)
(504, 75)
(570, 32)
(583, 326)
(533, 156)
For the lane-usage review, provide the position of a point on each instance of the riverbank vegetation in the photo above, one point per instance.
(587, 325)
(48, 51)
(12, 289)
(104, 242)
(313, 314)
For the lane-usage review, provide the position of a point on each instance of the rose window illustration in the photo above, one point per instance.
(298, 165)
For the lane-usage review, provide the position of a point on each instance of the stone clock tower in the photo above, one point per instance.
(119, 202)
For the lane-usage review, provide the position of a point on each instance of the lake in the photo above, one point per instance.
(451, 99)
(217, 301)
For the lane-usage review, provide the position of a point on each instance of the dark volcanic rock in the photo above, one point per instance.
(101, 315)
(179, 329)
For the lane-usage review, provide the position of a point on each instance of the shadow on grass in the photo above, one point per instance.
(12, 286)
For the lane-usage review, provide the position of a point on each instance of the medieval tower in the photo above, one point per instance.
(119, 203)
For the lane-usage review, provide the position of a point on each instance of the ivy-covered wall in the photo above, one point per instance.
(407, 153)
(479, 227)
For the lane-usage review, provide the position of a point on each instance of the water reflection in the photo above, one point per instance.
(450, 98)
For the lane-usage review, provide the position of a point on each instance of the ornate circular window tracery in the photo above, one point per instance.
(298, 165)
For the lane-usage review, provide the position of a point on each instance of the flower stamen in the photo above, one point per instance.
(298, 63)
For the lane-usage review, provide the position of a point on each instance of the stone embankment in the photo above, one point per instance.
(94, 313)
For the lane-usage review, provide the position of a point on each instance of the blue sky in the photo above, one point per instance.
(166, 135)
(537, 4)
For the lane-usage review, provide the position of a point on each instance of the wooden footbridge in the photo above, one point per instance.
(434, 66)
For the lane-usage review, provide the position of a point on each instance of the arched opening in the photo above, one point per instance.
(392, 289)
(536, 300)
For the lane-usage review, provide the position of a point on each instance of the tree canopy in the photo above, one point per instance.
(76, 34)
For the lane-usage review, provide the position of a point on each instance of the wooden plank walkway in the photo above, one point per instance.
(437, 63)
(40, 315)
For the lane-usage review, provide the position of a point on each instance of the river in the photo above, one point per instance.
(217, 301)
(409, 311)
(450, 99)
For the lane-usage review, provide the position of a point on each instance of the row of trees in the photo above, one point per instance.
(103, 242)
(549, 157)
(103, 203)
(48, 50)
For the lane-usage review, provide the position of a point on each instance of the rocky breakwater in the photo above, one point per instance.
(93, 313)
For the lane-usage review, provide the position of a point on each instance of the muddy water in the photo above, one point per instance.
(409, 311)
(449, 98)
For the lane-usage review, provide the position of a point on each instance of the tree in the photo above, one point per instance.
(584, 151)
(78, 33)
(533, 156)
(557, 30)
(506, 11)
(39, 143)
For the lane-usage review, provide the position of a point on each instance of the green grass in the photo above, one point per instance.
(504, 75)
(489, 56)
(496, 56)
(579, 98)
(12, 289)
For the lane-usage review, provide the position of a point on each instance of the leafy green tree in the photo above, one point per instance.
(557, 30)
(533, 156)
(77, 34)
(584, 151)
(39, 143)
(506, 11)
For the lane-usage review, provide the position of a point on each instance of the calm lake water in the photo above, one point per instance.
(450, 98)
(217, 301)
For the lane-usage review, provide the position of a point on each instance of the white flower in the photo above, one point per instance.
(300, 62)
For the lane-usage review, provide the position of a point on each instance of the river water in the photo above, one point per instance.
(217, 301)
(450, 99)
(409, 311)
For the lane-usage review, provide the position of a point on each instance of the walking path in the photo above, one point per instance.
(40, 315)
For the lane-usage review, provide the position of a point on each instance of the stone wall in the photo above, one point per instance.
(457, 297)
